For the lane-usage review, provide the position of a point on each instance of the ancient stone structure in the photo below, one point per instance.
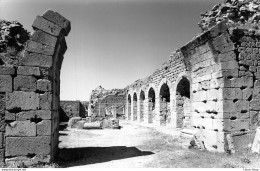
(101, 100)
(69, 109)
(30, 88)
(211, 84)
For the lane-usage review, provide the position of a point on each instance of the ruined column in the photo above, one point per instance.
(30, 93)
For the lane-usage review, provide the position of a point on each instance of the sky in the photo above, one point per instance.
(112, 43)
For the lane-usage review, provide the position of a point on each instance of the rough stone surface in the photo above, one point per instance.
(27, 115)
(44, 85)
(6, 83)
(27, 70)
(44, 38)
(21, 129)
(44, 128)
(21, 146)
(35, 59)
(35, 47)
(25, 83)
(45, 101)
(22, 100)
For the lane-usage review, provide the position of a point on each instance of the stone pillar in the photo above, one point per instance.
(156, 119)
(138, 110)
(33, 94)
(146, 110)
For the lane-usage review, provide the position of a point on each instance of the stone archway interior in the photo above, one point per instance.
(151, 105)
(164, 104)
(129, 106)
(142, 98)
(135, 107)
(183, 103)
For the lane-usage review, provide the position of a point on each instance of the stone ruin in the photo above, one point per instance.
(102, 100)
(30, 88)
(69, 109)
(211, 85)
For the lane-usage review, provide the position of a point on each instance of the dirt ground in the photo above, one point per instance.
(141, 146)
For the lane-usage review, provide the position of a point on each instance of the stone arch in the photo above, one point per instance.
(129, 102)
(33, 95)
(164, 103)
(134, 106)
(151, 103)
(141, 105)
(183, 101)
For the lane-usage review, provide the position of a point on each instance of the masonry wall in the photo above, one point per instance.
(30, 89)
(69, 109)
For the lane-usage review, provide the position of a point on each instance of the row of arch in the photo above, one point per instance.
(161, 105)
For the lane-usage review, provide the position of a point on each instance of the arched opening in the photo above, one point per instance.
(129, 106)
(135, 107)
(183, 103)
(164, 104)
(151, 105)
(142, 98)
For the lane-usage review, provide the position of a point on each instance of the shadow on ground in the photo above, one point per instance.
(90, 155)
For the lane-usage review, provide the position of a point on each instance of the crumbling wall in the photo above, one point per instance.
(69, 109)
(30, 89)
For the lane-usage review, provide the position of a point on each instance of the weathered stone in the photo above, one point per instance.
(35, 47)
(35, 59)
(1, 140)
(56, 18)
(254, 119)
(21, 129)
(25, 115)
(254, 104)
(18, 146)
(44, 127)
(45, 101)
(9, 116)
(46, 26)
(44, 85)
(44, 38)
(28, 161)
(22, 100)
(5, 70)
(25, 83)
(6, 84)
(27, 70)
(230, 65)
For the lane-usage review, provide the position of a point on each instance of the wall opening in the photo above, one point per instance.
(151, 105)
(142, 98)
(129, 106)
(135, 107)
(164, 104)
(183, 103)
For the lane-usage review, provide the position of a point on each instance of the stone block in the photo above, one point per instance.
(6, 83)
(230, 65)
(6, 70)
(229, 56)
(46, 26)
(215, 94)
(242, 140)
(35, 59)
(28, 161)
(44, 85)
(44, 127)
(221, 40)
(27, 70)
(216, 83)
(35, 47)
(9, 116)
(200, 96)
(196, 87)
(247, 93)
(242, 106)
(58, 19)
(229, 106)
(213, 140)
(21, 129)
(226, 47)
(236, 125)
(25, 83)
(199, 107)
(229, 94)
(1, 140)
(44, 38)
(21, 146)
(22, 100)
(205, 85)
(230, 73)
(45, 101)
(254, 104)
(256, 89)
(217, 74)
(27, 115)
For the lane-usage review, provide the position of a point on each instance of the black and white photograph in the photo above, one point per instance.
(106, 84)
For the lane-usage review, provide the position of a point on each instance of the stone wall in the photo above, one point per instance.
(69, 109)
(212, 82)
(30, 89)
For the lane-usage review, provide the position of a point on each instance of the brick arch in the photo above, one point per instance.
(141, 103)
(32, 99)
(151, 105)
